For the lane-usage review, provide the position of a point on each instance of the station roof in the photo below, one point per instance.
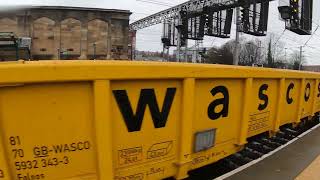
(9, 8)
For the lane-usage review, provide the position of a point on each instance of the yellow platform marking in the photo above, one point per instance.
(311, 172)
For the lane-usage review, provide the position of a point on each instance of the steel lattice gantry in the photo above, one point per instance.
(198, 18)
(192, 5)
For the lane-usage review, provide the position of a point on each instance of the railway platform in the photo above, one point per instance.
(299, 161)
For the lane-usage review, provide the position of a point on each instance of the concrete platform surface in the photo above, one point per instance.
(298, 160)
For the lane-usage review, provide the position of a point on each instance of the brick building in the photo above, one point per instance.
(70, 32)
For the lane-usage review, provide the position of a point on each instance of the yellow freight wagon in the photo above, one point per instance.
(72, 120)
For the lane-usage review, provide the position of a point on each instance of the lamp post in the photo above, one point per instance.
(59, 53)
(94, 51)
(285, 54)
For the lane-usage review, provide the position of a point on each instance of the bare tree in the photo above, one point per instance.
(277, 48)
(296, 61)
(222, 55)
(269, 52)
(250, 53)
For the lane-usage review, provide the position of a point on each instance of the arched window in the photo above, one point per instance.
(43, 36)
(97, 37)
(71, 37)
(8, 25)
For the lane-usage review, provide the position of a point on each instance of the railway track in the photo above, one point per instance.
(257, 149)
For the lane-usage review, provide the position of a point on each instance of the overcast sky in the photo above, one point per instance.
(149, 39)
